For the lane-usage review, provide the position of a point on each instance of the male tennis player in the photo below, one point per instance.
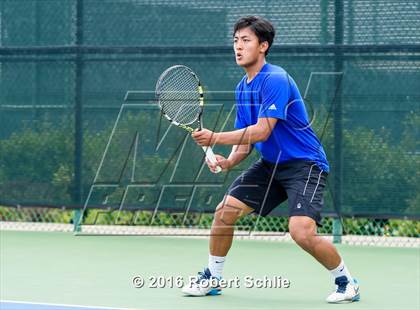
(271, 117)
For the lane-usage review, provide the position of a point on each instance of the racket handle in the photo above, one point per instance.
(211, 157)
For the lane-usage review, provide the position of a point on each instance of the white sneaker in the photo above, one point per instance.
(204, 284)
(345, 292)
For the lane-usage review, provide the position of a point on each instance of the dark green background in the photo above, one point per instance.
(65, 66)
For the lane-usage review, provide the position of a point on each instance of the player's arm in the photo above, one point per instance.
(238, 154)
(248, 135)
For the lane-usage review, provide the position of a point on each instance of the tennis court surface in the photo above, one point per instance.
(53, 270)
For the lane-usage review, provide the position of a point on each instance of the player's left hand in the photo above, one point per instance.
(203, 137)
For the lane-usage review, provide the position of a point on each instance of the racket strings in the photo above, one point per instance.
(178, 95)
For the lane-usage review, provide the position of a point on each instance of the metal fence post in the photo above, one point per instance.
(337, 230)
(338, 113)
(78, 119)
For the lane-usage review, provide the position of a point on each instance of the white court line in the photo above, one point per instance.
(62, 305)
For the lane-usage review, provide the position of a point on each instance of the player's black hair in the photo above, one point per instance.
(262, 28)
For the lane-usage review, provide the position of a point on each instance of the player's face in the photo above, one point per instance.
(247, 48)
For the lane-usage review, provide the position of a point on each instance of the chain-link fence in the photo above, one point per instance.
(65, 68)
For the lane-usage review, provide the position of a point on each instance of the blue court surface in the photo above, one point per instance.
(16, 305)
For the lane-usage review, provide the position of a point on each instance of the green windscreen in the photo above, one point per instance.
(68, 137)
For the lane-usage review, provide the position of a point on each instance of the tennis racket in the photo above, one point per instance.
(180, 98)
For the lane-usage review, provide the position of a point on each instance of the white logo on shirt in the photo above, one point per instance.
(272, 107)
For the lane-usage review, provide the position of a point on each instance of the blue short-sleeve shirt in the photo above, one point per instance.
(273, 93)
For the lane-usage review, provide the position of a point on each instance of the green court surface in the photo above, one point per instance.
(98, 270)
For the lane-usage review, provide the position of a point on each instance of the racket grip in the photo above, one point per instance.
(211, 157)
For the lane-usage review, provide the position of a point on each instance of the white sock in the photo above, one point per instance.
(340, 271)
(216, 265)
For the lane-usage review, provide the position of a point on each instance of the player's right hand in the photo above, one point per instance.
(222, 162)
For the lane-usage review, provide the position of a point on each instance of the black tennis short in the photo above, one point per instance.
(264, 186)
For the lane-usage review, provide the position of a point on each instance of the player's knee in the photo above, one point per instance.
(226, 214)
(302, 230)
(301, 235)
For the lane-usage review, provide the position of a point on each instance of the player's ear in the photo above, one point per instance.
(263, 47)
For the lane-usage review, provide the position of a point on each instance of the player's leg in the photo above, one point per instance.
(227, 213)
(253, 191)
(250, 192)
(305, 192)
(303, 231)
